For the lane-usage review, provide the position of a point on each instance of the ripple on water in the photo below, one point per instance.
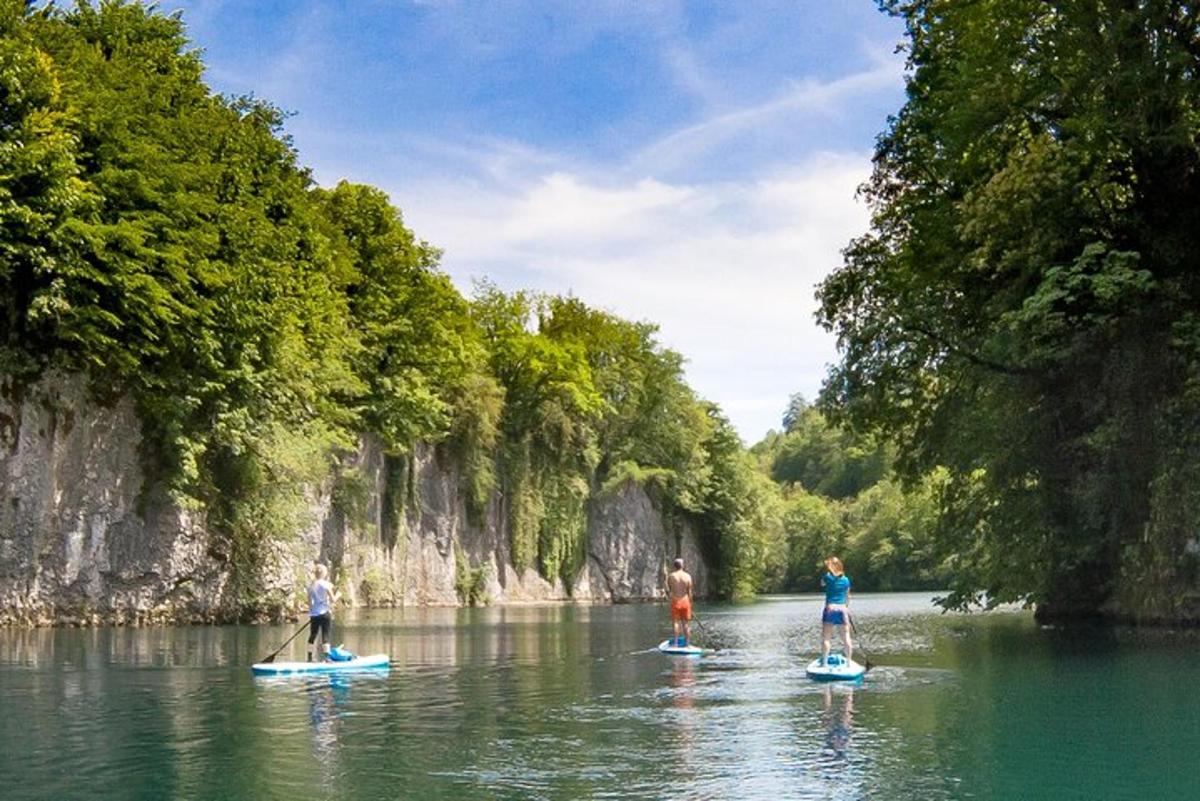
(563, 704)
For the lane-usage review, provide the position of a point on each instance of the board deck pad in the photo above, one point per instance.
(836, 668)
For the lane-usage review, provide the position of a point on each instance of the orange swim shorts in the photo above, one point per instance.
(681, 608)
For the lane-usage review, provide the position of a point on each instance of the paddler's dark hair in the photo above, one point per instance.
(679, 564)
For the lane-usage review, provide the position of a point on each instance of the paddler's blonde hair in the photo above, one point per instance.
(834, 566)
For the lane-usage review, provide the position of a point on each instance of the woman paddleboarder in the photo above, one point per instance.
(837, 607)
(321, 598)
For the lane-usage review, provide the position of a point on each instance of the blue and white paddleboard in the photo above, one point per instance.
(670, 647)
(836, 668)
(372, 662)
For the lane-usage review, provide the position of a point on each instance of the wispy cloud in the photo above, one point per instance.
(805, 97)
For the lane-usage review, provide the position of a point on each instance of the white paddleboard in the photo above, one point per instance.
(679, 650)
(836, 668)
(372, 662)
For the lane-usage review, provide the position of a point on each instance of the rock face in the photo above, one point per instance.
(87, 537)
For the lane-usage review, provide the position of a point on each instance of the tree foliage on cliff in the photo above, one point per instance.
(591, 402)
(1025, 309)
(167, 242)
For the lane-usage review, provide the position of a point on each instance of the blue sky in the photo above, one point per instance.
(693, 164)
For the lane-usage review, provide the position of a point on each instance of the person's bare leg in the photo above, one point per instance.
(826, 636)
(846, 640)
(687, 632)
(675, 625)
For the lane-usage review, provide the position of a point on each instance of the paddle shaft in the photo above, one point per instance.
(858, 643)
(299, 631)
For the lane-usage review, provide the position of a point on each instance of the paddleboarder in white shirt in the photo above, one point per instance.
(321, 598)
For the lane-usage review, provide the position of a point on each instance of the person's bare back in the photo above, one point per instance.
(680, 584)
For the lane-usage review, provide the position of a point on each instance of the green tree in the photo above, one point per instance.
(549, 425)
(1024, 309)
(813, 530)
(741, 511)
(40, 191)
(418, 340)
(824, 458)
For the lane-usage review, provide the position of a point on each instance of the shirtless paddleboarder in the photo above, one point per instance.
(679, 584)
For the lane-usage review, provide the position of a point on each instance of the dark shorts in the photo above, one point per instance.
(321, 623)
(834, 616)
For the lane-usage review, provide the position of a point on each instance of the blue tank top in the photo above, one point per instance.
(836, 588)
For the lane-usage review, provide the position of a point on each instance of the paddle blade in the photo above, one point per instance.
(271, 659)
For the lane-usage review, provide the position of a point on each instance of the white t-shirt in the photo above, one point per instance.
(320, 598)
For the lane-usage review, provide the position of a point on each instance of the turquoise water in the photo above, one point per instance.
(565, 702)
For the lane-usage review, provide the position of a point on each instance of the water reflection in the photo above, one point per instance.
(838, 718)
(326, 704)
(573, 702)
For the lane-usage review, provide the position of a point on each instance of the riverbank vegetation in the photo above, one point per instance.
(168, 243)
(1024, 314)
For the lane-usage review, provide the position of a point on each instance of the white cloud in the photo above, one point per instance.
(727, 269)
(562, 209)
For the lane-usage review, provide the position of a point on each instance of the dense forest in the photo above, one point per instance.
(839, 493)
(166, 242)
(1024, 313)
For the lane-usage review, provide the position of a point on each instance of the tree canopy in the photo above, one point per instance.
(1025, 310)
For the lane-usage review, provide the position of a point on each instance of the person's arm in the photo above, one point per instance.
(690, 585)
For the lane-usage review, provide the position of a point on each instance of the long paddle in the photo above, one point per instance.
(299, 631)
(866, 657)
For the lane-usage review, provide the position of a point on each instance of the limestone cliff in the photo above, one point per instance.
(87, 537)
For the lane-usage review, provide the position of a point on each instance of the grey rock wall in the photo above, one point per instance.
(82, 539)
(629, 544)
(86, 537)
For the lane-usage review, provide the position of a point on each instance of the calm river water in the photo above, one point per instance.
(567, 702)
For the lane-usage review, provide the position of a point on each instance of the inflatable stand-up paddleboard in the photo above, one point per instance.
(676, 647)
(836, 668)
(337, 665)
